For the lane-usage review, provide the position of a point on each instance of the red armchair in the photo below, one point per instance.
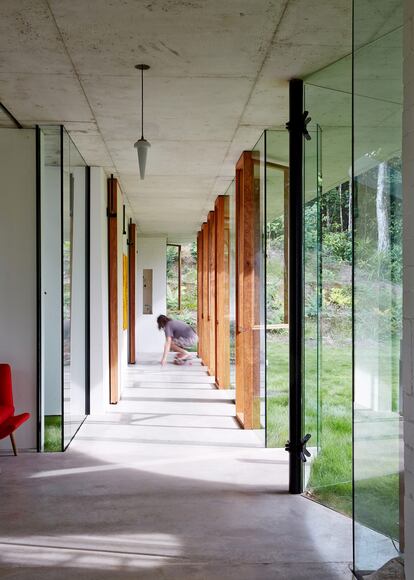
(8, 420)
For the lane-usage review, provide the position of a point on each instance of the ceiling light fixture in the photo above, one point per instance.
(142, 145)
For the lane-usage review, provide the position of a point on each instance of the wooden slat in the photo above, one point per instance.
(113, 289)
(222, 292)
(248, 285)
(131, 293)
(211, 292)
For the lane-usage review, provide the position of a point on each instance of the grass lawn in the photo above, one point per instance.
(53, 433)
(330, 480)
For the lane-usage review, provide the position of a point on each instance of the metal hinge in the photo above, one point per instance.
(303, 125)
(299, 449)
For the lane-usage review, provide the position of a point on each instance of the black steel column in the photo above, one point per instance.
(295, 127)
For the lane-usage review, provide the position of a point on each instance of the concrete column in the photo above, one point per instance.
(408, 285)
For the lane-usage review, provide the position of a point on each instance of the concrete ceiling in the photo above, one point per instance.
(219, 76)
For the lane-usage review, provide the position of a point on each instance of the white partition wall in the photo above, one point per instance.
(99, 348)
(18, 273)
(151, 256)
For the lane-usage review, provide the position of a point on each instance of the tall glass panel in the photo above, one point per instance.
(74, 287)
(311, 296)
(277, 327)
(232, 281)
(259, 328)
(51, 288)
(63, 244)
(378, 470)
(328, 286)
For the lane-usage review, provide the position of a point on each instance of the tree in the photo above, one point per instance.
(382, 206)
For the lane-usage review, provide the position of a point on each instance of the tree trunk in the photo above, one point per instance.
(341, 215)
(382, 204)
(350, 208)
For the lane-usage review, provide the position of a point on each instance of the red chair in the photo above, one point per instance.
(8, 420)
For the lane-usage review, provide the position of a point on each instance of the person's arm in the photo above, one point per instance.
(167, 347)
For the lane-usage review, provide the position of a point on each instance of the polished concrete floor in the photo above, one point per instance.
(166, 486)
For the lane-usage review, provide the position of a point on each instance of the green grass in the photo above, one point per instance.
(53, 433)
(330, 480)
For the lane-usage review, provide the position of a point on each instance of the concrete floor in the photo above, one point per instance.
(166, 486)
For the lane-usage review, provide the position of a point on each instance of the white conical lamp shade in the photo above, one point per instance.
(142, 146)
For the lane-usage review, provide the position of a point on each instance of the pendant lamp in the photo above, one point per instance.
(142, 145)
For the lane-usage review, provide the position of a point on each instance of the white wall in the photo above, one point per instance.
(51, 247)
(18, 272)
(408, 285)
(151, 253)
(99, 350)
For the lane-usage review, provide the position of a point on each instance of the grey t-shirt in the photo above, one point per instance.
(178, 329)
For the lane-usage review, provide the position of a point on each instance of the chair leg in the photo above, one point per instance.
(13, 442)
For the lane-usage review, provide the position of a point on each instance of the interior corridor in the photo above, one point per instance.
(165, 485)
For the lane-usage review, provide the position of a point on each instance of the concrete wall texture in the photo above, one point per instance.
(18, 272)
(408, 285)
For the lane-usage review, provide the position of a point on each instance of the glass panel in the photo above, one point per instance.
(232, 225)
(259, 328)
(51, 289)
(74, 287)
(311, 298)
(189, 284)
(277, 333)
(172, 280)
(378, 285)
(182, 264)
(74, 291)
(328, 286)
(67, 234)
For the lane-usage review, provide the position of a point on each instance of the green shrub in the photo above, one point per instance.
(340, 296)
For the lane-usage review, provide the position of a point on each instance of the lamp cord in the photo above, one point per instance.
(142, 103)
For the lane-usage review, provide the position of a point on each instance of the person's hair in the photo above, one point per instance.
(162, 321)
